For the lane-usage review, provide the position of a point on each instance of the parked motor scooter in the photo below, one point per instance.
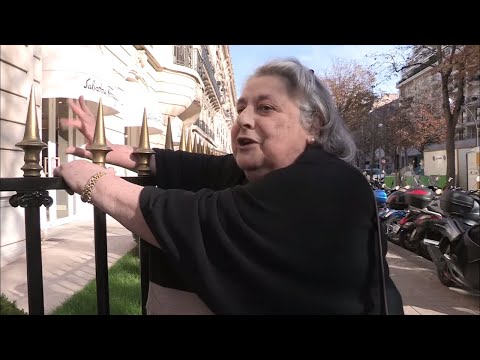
(457, 254)
(395, 210)
(424, 208)
(423, 223)
(418, 199)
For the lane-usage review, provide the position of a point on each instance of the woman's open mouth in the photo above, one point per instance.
(244, 141)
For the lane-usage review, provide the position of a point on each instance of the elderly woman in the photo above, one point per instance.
(285, 225)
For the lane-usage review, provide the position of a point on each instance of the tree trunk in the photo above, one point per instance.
(451, 120)
(450, 149)
(395, 164)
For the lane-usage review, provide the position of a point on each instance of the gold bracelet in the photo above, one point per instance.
(88, 188)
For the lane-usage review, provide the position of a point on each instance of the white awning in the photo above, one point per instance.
(69, 71)
(136, 99)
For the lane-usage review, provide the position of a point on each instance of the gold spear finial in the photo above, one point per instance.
(199, 145)
(168, 136)
(143, 152)
(31, 143)
(183, 142)
(190, 140)
(194, 142)
(99, 147)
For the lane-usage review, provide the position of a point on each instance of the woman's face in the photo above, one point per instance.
(267, 134)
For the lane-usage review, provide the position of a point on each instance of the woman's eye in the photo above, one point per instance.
(265, 107)
(239, 110)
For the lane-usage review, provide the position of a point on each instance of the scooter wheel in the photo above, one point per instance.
(387, 230)
(442, 275)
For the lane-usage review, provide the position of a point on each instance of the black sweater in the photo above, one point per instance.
(302, 240)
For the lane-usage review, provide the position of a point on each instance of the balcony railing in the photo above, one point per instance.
(182, 55)
(32, 193)
(199, 61)
(202, 125)
(204, 66)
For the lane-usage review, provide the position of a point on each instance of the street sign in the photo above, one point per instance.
(379, 153)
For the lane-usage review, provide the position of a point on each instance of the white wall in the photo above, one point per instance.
(20, 68)
(435, 163)
(462, 167)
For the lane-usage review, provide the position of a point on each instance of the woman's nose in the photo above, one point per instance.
(245, 119)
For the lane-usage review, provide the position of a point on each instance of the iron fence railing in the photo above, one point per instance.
(32, 193)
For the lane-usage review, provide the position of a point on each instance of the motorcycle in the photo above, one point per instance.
(456, 254)
(418, 200)
(422, 224)
(394, 211)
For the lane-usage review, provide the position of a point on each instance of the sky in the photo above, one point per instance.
(246, 58)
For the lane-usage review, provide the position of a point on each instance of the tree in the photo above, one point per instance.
(428, 126)
(395, 134)
(351, 85)
(454, 64)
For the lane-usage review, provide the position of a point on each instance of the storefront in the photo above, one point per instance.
(69, 71)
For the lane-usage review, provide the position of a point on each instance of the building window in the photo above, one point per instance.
(471, 132)
(459, 134)
(182, 55)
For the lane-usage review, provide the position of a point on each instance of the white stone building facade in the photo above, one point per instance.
(192, 86)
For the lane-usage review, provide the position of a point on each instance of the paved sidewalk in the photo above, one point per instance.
(69, 264)
(68, 260)
(422, 292)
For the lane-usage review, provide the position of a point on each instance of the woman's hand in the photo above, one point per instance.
(85, 123)
(76, 173)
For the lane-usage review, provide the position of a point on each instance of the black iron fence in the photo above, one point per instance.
(32, 193)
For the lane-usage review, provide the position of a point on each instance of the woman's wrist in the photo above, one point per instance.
(98, 190)
(86, 195)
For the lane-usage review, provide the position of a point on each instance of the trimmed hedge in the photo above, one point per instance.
(9, 308)
(408, 180)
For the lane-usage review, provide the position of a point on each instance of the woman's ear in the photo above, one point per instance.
(310, 139)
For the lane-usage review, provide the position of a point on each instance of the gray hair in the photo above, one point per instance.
(319, 115)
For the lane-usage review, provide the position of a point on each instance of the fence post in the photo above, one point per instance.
(142, 155)
(99, 150)
(183, 142)
(168, 136)
(190, 140)
(31, 201)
